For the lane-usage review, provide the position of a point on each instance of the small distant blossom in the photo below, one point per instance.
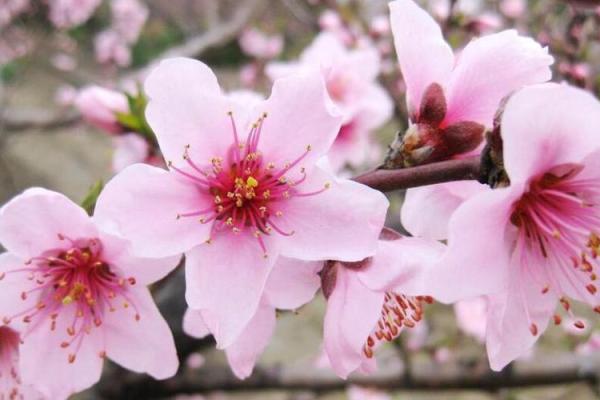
(66, 14)
(76, 296)
(487, 22)
(592, 346)
(351, 79)
(234, 199)
(513, 8)
(290, 285)
(536, 241)
(64, 62)
(471, 317)
(111, 48)
(249, 74)
(14, 43)
(195, 361)
(363, 393)
(10, 9)
(380, 26)
(128, 18)
(131, 148)
(99, 106)
(330, 21)
(65, 95)
(260, 45)
(372, 301)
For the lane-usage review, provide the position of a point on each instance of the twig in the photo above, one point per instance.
(429, 174)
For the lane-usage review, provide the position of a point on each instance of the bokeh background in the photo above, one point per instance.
(46, 57)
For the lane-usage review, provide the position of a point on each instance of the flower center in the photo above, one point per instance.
(74, 279)
(248, 192)
(557, 242)
(398, 312)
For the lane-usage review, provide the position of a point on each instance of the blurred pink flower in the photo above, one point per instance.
(471, 316)
(65, 95)
(513, 8)
(130, 148)
(64, 62)
(331, 22)
(194, 360)
(70, 13)
(260, 45)
(10, 9)
(592, 346)
(255, 199)
(351, 78)
(99, 107)
(372, 301)
(249, 74)
(363, 393)
(128, 18)
(486, 22)
(380, 26)
(290, 285)
(534, 243)
(76, 295)
(112, 48)
(15, 42)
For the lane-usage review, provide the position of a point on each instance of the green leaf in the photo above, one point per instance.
(89, 202)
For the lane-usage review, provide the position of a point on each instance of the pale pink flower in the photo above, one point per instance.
(379, 26)
(65, 95)
(99, 107)
(11, 386)
(351, 78)
(363, 393)
(471, 316)
(249, 74)
(260, 45)
(372, 301)
(331, 22)
(290, 285)
(242, 188)
(453, 99)
(486, 22)
(64, 62)
(111, 48)
(195, 360)
(76, 295)
(15, 42)
(69, 13)
(513, 8)
(128, 18)
(10, 9)
(130, 148)
(534, 243)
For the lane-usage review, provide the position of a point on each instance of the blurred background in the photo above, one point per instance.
(50, 50)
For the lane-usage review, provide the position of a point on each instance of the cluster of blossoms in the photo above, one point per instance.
(249, 198)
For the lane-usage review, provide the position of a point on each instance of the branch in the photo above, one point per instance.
(429, 174)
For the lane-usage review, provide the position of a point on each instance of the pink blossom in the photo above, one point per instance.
(487, 22)
(64, 62)
(69, 13)
(10, 9)
(471, 316)
(364, 393)
(249, 74)
(290, 285)
(77, 295)
(242, 188)
(533, 243)
(128, 18)
(351, 78)
(372, 301)
(130, 148)
(513, 8)
(14, 43)
(592, 346)
(65, 95)
(11, 386)
(99, 106)
(257, 44)
(112, 48)
(379, 26)
(331, 22)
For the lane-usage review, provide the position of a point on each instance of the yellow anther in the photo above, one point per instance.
(251, 182)
(67, 300)
(327, 185)
(266, 194)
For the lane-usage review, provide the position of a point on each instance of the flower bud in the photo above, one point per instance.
(99, 107)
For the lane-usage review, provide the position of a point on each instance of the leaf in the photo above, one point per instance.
(89, 202)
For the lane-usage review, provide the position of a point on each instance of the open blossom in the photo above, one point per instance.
(534, 244)
(112, 48)
(291, 284)
(128, 18)
(351, 79)
(242, 188)
(99, 106)
(452, 100)
(372, 301)
(76, 296)
(260, 45)
(69, 13)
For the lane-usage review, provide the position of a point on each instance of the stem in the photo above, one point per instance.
(429, 174)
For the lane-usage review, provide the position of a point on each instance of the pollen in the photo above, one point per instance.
(251, 182)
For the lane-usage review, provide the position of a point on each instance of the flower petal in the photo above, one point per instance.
(194, 325)
(547, 125)
(243, 353)
(489, 69)
(440, 201)
(31, 222)
(128, 340)
(423, 54)
(142, 203)
(477, 259)
(225, 280)
(292, 283)
(341, 223)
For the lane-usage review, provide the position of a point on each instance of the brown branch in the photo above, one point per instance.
(429, 174)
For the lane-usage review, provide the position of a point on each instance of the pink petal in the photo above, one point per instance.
(142, 203)
(186, 107)
(144, 270)
(243, 353)
(508, 324)
(401, 265)
(11, 287)
(423, 54)
(471, 316)
(477, 259)
(489, 69)
(194, 325)
(325, 50)
(31, 222)
(299, 114)
(325, 228)
(225, 280)
(130, 149)
(547, 125)
(292, 283)
(144, 345)
(352, 312)
(55, 377)
(440, 201)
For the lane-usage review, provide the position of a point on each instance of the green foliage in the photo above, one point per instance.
(8, 71)
(89, 202)
(135, 119)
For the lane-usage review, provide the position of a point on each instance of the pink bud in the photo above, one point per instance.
(99, 106)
